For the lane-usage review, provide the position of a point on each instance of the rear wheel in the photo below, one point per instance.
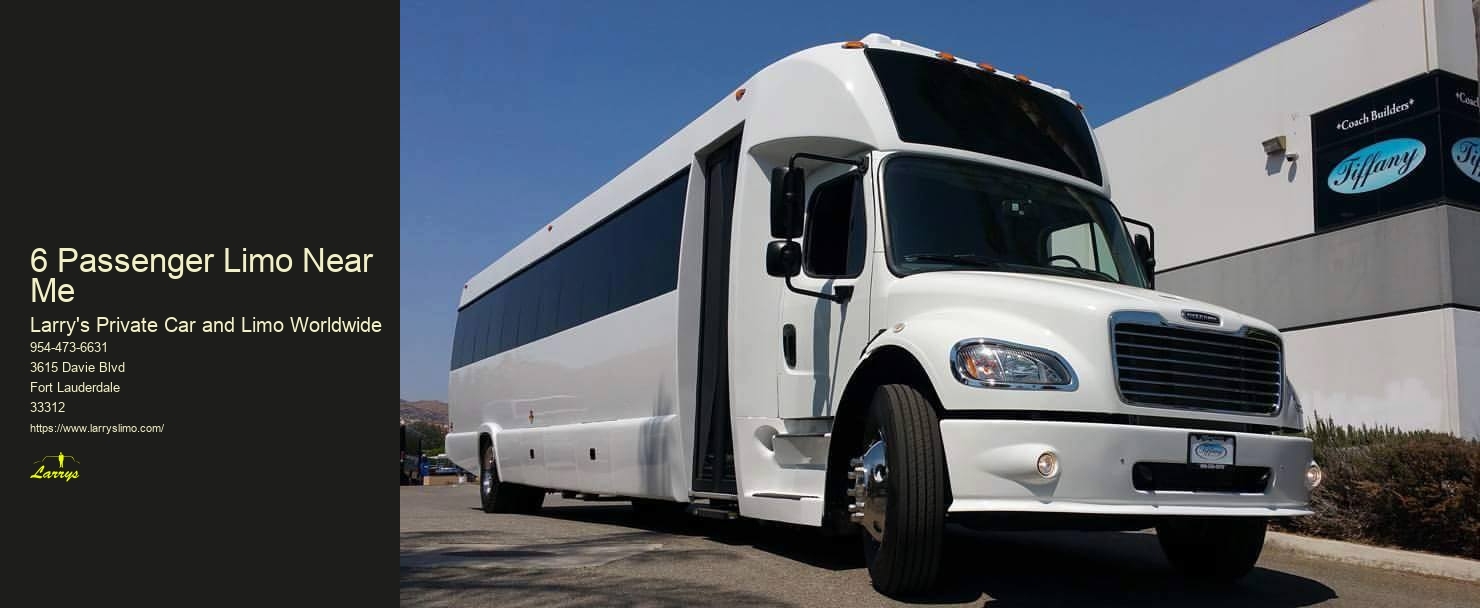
(501, 497)
(899, 491)
(1213, 549)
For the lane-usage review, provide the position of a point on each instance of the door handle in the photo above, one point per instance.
(789, 344)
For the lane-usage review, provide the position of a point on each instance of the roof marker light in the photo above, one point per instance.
(854, 44)
(946, 56)
(1023, 79)
(1080, 106)
(988, 67)
(739, 93)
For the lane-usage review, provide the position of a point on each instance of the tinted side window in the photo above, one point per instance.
(459, 337)
(626, 240)
(572, 283)
(549, 271)
(493, 324)
(835, 238)
(630, 257)
(479, 310)
(508, 336)
(528, 289)
(596, 295)
(665, 228)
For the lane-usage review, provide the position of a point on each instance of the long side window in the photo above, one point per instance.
(628, 258)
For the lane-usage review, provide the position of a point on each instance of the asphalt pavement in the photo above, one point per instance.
(599, 554)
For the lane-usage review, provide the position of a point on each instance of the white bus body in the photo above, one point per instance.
(651, 361)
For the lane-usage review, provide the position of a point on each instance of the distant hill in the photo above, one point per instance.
(434, 412)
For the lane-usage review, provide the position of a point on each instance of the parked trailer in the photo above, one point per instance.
(876, 288)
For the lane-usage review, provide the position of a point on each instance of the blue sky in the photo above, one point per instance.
(512, 112)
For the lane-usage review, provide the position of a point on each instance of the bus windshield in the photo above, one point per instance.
(942, 103)
(953, 215)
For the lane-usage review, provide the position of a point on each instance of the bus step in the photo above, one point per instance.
(713, 513)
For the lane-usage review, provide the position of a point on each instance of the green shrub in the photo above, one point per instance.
(1410, 489)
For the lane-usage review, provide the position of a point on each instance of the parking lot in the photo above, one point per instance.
(598, 554)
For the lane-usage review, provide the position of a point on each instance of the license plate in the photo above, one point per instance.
(1210, 451)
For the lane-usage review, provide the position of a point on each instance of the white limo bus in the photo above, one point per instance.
(876, 289)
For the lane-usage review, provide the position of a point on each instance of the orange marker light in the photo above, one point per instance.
(739, 93)
(988, 67)
(1023, 79)
(854, 44)
(1080, 106)
(946, 56)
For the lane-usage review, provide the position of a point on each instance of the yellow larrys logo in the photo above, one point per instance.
(61, 472)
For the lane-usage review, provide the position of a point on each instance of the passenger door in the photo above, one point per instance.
(714, 450)
(818, 341)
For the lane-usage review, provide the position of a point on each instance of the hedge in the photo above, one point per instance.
(1410, 489)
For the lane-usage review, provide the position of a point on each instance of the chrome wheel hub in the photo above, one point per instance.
(870, 491)
(487, 481)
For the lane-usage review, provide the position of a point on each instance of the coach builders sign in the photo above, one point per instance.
(1411, 144)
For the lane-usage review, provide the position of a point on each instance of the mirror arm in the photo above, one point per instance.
(1151, 230)
(843, 292)
(861, 164)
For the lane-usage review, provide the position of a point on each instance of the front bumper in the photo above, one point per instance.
(991, 470)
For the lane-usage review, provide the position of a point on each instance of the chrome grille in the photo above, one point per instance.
(1162, 365)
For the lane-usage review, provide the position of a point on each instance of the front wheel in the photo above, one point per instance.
(899, 491)
(1214, 549)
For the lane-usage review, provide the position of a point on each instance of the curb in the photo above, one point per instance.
(1377, 557)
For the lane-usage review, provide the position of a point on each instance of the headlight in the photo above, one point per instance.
(993, 364)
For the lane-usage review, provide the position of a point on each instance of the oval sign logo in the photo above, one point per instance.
(1376, 166)
(1466, 154)
(1211, 451)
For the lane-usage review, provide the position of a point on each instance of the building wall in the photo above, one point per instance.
(1193, 159)
(1380, 319)
(1455, 41)
(1422, 259)
(1467, 365)
(1399, 371)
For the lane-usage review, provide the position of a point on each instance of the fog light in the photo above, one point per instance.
(1048, 465)
(1312, 476)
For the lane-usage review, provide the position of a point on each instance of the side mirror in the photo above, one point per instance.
(783, 259)
(788, 189)
(1147, 257)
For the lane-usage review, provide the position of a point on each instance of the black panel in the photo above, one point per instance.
(1179, 477)
(943, 103)
(1397, 148)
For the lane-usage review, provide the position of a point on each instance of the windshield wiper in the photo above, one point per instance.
(977, 261)
(1085, 273)
(967, 259)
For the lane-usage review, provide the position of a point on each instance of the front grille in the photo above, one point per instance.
(1172, 366)
(1179, 477)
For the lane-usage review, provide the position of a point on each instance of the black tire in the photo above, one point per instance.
(1212, 549)
(531, 498)
(907, 559)
(501, 497)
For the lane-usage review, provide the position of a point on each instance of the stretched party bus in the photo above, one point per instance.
(877, 288)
